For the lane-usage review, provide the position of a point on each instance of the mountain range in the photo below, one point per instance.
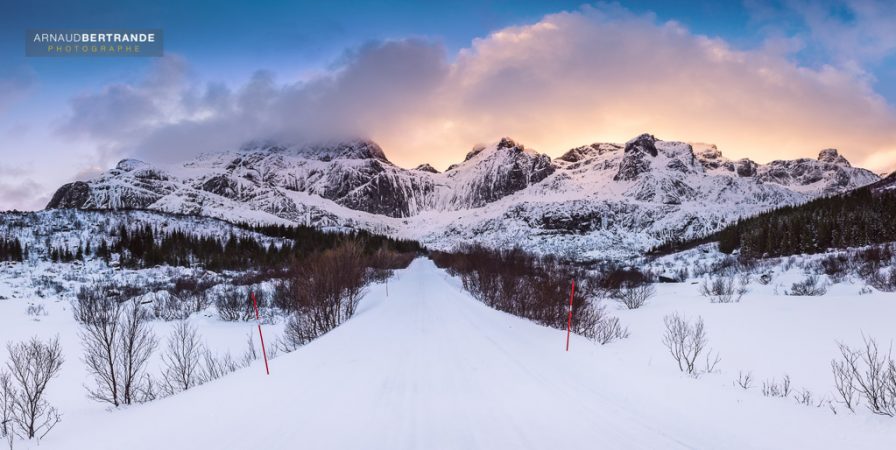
(595, 201)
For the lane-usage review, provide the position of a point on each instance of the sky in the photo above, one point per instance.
(764, 79)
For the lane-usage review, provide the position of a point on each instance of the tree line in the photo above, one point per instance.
(12, 250)
(859, 218)
(145, 246)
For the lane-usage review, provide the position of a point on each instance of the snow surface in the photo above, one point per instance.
(425, 366)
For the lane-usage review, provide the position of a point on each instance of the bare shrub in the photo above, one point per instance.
(744, 380)
(535, 288)
(233, 304)
(298, 331)
(32, 364)
(804, 397)
(844, 377)
(722, 289)
(810, 286)
(191, 292)
(169, 307)
(36, 311)
(686, 342)
(633, 295)
(607, 328)
(214, 367)
(835, 266)
(772, 388)
(883, 280)
(384, 261)
(328, 287)
(870, 372)
(181, 359)
(250, 355)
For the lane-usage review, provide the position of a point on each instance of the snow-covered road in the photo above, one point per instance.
(428, 367)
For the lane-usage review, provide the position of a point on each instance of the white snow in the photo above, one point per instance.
(677, 197)
(429, 367)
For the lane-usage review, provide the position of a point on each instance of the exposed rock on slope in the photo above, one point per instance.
(598, 200)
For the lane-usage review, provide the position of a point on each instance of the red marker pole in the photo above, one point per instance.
(569, 320)
(261, 336)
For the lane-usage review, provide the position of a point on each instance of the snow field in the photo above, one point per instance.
(430, 367)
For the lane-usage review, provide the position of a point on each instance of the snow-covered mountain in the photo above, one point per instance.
(595, 201)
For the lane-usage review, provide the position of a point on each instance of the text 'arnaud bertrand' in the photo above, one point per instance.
(131, 41)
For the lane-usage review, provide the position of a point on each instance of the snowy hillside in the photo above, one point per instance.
(423, 365)
(596, 201)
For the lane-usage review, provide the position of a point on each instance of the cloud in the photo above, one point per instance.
(166, 117)
(122, 112)
(22, 195)
(15, 85)
(597, 74)
(851, 34)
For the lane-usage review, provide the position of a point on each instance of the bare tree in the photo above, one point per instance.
(99, 311)
(182, 357)
(136, 345)
(118, 343)
(7, 394)
(686, 342)
(32, 364)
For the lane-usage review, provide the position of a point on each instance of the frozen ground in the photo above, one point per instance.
(429, 367)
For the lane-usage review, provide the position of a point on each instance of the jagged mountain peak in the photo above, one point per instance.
(491, 172)
(646, 153)
(600, 198)
(130, 164)
(425, 167)
(831, 155)
(707, 152)
(477, 149)
(579, 154)
(507, 142)
(644, 143)
(506, 150)
(324, 151)
(351, 149)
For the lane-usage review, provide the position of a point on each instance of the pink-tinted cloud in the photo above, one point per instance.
(598, 74)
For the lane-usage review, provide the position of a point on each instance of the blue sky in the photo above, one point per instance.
(842, 49)
(292, 36)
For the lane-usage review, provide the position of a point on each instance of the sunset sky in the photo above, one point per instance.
(429, 80)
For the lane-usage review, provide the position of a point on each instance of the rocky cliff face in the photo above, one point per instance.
(491, 173)
(596, 200)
